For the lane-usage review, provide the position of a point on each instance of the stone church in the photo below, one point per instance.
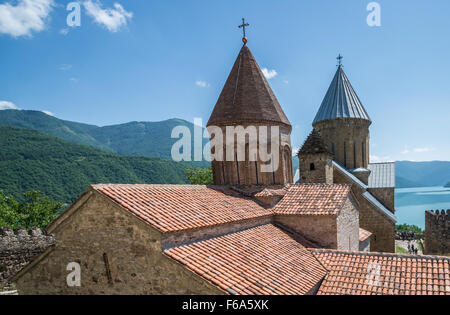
(252, 232)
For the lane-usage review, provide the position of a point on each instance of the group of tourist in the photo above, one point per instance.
(412, 249)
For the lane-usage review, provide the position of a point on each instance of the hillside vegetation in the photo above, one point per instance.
(134, 138)
(30, 160)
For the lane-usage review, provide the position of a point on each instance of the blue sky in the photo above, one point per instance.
(160, 59)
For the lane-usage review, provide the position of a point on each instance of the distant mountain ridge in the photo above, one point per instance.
(134, 138)
(31, 160)
(153, 139)
(423, 174)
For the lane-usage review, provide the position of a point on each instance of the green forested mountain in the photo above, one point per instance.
(134, 138)
(31, 160)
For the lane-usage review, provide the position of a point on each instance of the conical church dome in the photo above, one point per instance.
(247, 96)
(341, 101)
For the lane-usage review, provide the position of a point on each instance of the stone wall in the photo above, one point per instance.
(371, 219)
(386, 196)
(348, 227)
(17, 248)
(316, 168)
(117, 253)
(348, 139)
(437, 232)
(318, 229)
(247, 171)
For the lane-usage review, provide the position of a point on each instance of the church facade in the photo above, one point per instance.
(253, 232)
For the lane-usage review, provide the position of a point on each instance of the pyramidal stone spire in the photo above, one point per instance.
(247, 96)
(314, 144)
(341, 101)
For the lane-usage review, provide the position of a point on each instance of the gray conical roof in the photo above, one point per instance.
(341, 101)
(247, 96)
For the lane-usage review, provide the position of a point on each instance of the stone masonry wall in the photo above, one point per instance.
(17, 248)
(348, 227)
(386, 196)
(135, 264)
(437, 232)
(322, 172)
(247, 172)
(319, 229)
(349, 138)
(372, 220)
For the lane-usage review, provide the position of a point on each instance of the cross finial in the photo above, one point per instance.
(243, 25)
(339, 59)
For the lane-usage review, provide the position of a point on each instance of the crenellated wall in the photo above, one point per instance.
(17, 248)
(437, 232)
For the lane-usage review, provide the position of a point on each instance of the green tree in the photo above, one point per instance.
(36, 211)
(200, 176)
(408, 228)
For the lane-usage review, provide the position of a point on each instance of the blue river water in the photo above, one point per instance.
(411, 203)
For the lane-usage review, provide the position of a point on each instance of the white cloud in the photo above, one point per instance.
(65, 67)
(73, 80)
(48, 113)
(202, 84)
(64, 31)
(285, 81)
(380, 159)
(25, 17)
(269, 74)
(7, 105)
(112, 19)
(423, 150)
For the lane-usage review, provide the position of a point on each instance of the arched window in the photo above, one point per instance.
(345, 155)
(286, 165)
(312, 167)
(256, 169)
(363, 147)
(237, 169)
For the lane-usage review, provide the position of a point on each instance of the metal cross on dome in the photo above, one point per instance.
(339, 59)
(243, 25)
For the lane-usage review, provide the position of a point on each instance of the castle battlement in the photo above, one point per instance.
(437, 232)
(18, 247)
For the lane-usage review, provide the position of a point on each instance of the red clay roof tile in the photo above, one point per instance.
(313, 199)
(261, 260)
(382, 273)
(182, 207)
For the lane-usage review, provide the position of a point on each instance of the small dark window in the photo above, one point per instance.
(332, 147)
(312, 167)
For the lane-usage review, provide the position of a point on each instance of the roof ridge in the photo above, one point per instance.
(378, 254)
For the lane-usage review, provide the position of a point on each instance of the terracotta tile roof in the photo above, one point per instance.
(316, 199)
(352, 273)
(363, 234)
(181, 207)
(261, 260)
(269, 192)
(247, 96)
